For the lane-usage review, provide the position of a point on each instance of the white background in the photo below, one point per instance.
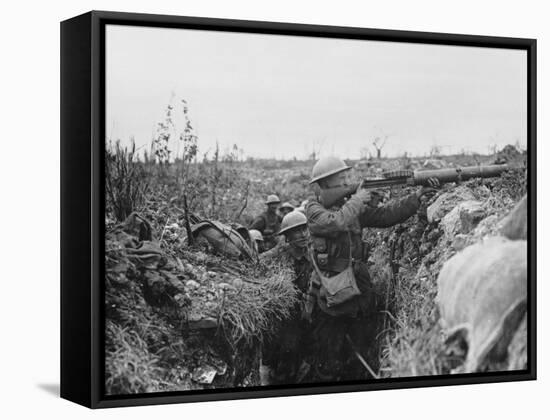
(29, 174)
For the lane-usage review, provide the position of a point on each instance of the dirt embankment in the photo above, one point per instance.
(180, 318)
(406, 261)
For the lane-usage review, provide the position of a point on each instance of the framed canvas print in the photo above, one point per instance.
(255, 209)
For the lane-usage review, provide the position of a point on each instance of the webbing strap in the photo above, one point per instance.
(314, 261)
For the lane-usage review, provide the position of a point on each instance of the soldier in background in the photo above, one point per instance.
(294, 250)
(345, 315)
(269, 222)
(285, 209)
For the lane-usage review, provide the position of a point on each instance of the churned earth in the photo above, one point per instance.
(181, 317)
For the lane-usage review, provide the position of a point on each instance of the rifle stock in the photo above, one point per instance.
(331, 196)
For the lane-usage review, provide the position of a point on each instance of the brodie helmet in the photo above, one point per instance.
(292, 220)
(256, 235)
(286, 205)
(327, 166)
(272, 199)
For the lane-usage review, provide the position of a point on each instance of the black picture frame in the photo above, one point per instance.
(82, 204)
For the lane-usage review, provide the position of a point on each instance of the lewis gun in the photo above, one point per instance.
(331, 196)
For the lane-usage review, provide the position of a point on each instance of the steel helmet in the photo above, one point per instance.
(271, 199)
(256, 235)
(287, 205)
(292, 220)
(327, 166)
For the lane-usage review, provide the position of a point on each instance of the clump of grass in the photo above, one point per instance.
(126, 181)
(255, 312)
(512, 184)
(415, 344)
(130, 366)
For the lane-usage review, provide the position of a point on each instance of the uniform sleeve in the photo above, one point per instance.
(323, 222)
(278, 251)
(258, 224)
(390, 214)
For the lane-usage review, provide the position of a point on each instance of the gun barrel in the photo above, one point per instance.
(330, 196)
(459, 174)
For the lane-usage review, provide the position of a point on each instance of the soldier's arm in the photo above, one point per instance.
(321, 221)
(275, 252)
(390, 214)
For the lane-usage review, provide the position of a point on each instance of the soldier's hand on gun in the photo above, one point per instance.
(363, 193)
(428, 191)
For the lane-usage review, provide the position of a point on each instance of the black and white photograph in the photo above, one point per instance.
(286, 210)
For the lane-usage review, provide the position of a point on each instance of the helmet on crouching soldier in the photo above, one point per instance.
(256, 241)
(294, 228)
(256, 235)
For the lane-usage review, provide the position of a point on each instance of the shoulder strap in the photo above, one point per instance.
(350, 247)
(314, 260)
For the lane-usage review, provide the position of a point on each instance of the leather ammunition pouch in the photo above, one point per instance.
(342, 287)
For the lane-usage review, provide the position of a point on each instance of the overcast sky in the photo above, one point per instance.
(281, 96)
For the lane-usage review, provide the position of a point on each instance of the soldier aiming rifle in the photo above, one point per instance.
(345, 312)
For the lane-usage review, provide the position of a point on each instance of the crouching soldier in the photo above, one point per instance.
(287, 352)
(345, 315)
(294, 250)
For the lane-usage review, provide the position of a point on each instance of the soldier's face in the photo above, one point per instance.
(272, 207)
(297, 237)
(338, 180)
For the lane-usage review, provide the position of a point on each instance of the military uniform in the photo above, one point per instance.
(288, 349)
(268, 224)
(334, 234)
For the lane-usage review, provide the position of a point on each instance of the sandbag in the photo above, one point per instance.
(515, 223)
(482, 295)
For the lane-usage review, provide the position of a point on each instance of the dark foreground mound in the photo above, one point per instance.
(182, 319)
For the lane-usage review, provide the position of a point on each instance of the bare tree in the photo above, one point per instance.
(493, 149)
(435, 151)
(379, 144)
(365, 153)
(316, 149)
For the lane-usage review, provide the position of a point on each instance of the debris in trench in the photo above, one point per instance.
(224, 239)
(204, 374)
(446, 201)
(201, 304)
(463, 218)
